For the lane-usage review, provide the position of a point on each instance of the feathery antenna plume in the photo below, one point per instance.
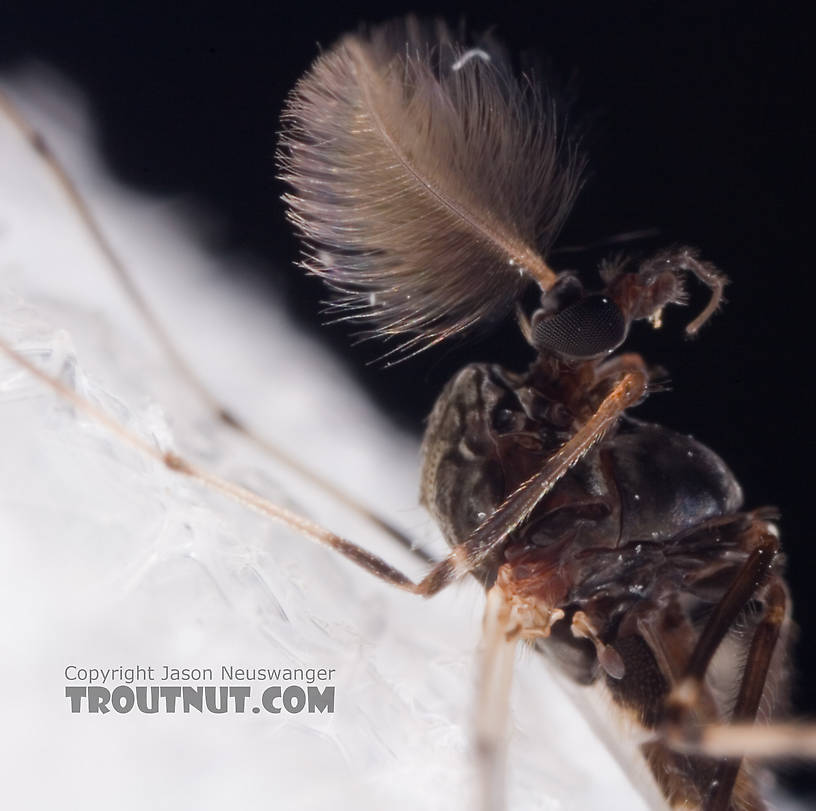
(428, 180)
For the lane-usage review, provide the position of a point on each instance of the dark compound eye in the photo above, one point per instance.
(592, 326)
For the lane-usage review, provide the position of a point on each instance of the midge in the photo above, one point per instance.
(429, 182)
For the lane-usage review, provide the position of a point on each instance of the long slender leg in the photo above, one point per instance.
(749, 579)
(785, 741)
(462, 559)
(492, 708)
(740, 737)
(682, 726)
(757, 666)
(40, 146)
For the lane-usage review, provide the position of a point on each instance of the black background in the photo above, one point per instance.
(696, 124)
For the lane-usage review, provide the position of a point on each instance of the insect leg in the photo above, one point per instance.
(38, 143)
(785, 741)
(682, 729)
(492, 706)
(751, 576)
(757, 666)
(368, 561)
(743, 737)
(462, 559)
(685, 260)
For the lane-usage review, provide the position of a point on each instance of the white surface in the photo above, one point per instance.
(107, 559)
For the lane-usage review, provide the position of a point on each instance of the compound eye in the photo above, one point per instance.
(590, 327)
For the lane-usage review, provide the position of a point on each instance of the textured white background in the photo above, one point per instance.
(107, 559)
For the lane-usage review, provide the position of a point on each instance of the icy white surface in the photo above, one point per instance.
(108, 559)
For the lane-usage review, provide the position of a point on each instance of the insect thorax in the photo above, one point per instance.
(642, 486)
